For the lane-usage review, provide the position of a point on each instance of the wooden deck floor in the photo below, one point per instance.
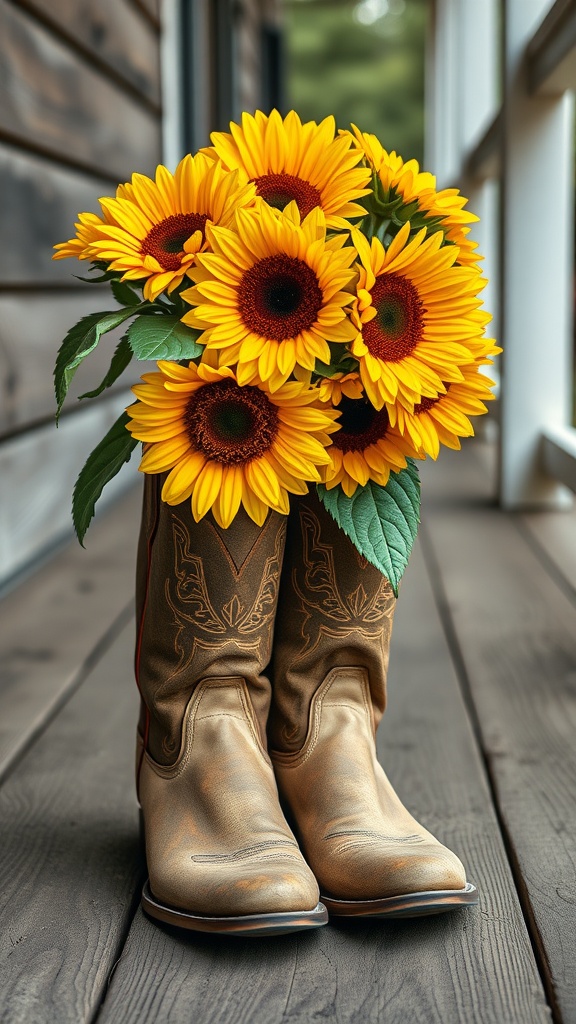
(479, 739)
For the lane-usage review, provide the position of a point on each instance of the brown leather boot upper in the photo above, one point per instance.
(217, 842)
(329, 692)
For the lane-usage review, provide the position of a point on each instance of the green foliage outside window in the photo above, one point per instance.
(362, 61)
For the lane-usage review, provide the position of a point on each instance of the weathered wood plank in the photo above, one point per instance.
(112, 32)
(150, 8)
(555, 535)
(515, 627)
(40, 203)
(38, 471)
(51, 100)
(52, 624)
(69, 853)
(31, 330)
(474, 966)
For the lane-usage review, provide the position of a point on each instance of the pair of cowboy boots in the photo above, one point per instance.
(226, 751)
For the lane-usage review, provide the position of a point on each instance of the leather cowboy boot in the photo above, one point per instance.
(220, 854)
(370, 856)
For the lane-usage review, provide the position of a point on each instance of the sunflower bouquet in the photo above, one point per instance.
(312, 303)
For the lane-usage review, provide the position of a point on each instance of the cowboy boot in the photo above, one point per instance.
(220, 854)
(331, 645)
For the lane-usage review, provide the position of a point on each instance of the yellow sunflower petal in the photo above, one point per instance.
(228, 501)
(181, 480)
(206, 489)
(256, 509)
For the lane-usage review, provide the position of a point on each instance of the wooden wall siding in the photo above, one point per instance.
(28, 346)
(37, 474)
(79, 112)
(149, 7)
(111, 33)
(40, 203)
(52, 100)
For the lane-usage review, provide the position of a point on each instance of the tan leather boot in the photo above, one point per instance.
(370, 856)
(220, 854)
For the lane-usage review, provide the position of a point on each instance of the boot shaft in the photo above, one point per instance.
(206, 603)
(335, 610)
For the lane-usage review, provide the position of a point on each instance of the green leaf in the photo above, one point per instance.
(120, 360)
(163, 337)
(105, 275)
(381, 522)
(327, 369)
(102, 466)
(124, 294)
(80, 341)
(346, 365)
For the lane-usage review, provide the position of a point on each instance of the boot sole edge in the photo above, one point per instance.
(416, 904)
(249, 925)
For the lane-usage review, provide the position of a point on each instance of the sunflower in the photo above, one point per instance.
(290, 161)
(407, 180)
(154, 229)
(270, 295)
(418, 317)
(88, 229)
(365, 447)
(332, 388)
(444, 420)
(224, 444)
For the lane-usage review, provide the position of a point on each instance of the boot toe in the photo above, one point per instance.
(430, 870)
(281, 889)
(380, 873)
(277, 887)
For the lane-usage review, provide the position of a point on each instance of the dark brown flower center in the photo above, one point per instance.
(166, 240)
(229, 423)
(425, 404)
(360, 425)
(397, 327)
(279, 297)
(280, 189)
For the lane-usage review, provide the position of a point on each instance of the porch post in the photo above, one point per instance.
(536, 253)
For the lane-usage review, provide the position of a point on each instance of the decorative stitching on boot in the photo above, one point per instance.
(320, 595)
(247, 851)
(367, 834)
(233, 621)
(238, 570)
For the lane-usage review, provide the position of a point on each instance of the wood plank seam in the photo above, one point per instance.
(56, 157)
(455, 648)
(48, 288)
(88, 56)
(75, 681)
(69, 828)
(145, 12)
(122, 936)
(552, 568)
(71, 410)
